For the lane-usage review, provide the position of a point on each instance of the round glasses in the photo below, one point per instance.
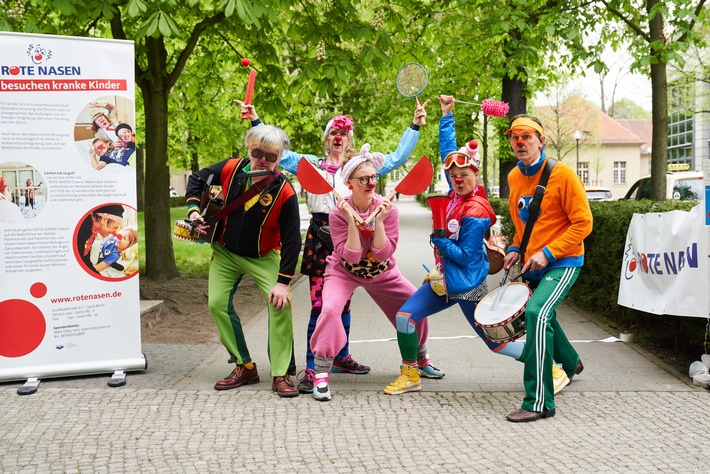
(257, 154)
(366, 179)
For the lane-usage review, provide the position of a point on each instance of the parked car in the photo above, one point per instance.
(681, 186)
(595, 193)
(173, 193)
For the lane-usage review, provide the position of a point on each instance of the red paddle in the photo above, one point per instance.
(250, 91)
(313, 182)
(416, 181)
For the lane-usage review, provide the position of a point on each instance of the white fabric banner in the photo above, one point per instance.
(665, 265)
(69, 295)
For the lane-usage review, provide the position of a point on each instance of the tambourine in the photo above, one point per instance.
(182, 231)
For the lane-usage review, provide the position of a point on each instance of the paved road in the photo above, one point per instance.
(626, 411)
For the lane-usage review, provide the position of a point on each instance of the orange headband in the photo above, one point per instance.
(525, 124)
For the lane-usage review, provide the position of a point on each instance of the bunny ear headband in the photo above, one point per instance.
(376, 158)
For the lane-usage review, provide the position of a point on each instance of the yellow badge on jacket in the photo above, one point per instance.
(266, 199)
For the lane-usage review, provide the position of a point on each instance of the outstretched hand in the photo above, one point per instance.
(420, 113)
(247, 109)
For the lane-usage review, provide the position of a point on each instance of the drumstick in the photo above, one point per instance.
(505, 277)
(516, 276)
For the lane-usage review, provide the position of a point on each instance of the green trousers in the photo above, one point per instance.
(545, 340)
(226, 271)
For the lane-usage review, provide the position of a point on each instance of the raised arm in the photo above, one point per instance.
(406, 144)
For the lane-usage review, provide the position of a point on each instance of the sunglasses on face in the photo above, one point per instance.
(257, 154)
(458, 159)
(366, 179)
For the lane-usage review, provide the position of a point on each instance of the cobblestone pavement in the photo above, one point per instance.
(96, 430)
(625, 413)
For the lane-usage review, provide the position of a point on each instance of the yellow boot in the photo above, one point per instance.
(559, 377)
(408, 381)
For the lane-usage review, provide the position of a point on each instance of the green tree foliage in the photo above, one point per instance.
(628, 109)
(187, 56)
(316, 59)
(659, 31)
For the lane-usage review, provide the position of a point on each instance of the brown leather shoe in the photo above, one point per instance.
(522, 416)
(284, 387)
(578, 370)
(239, 376)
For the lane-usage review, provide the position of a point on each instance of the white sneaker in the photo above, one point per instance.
(559, 377)
(321, 388)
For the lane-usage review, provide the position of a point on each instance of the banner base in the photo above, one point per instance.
(118, 379)
(29, 387)
(74, 369)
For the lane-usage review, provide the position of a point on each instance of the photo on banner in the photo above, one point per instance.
(104, 134)
(22, 192)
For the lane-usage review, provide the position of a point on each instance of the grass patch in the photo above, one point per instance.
(192, 259)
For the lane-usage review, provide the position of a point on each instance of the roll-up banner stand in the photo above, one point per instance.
(69, 294)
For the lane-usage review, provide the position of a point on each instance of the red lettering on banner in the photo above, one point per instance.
(62, 85)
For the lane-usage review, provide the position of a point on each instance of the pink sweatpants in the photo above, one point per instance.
(389, 291)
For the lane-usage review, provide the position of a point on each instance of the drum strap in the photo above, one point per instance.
(534, 207)
(248, 194)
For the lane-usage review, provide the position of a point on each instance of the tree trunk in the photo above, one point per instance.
(513, 93)
(160, 261)
(659, 110)
(659, 144)
(140, 177)
(194, 156)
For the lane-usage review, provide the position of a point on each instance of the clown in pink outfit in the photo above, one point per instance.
(363, 256)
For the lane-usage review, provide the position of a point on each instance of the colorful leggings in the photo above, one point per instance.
(316, 284)
(226, 271)
(425, 303)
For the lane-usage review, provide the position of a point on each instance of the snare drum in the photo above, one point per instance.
(501, 313)
(182, 232)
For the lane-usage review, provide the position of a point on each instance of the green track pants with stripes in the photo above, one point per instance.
(226, 271)
(545, 340)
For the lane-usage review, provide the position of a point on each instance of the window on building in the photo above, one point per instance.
(619, 172)
(680, 123)
(583, 172)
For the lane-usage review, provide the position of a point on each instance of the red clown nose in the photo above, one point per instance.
(520, 143)
(371, 185)
(458, 180)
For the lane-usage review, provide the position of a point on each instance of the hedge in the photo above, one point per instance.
(597, 287)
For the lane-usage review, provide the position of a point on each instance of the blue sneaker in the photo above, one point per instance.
(428, 371)
(348, 365)
(305, 385)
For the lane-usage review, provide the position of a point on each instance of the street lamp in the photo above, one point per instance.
(578, 135)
